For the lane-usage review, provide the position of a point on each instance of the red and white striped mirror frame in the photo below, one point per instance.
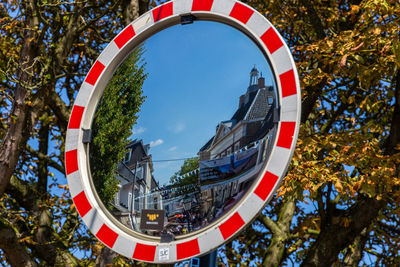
(100, 222)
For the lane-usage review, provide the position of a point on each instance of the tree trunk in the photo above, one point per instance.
(12, 143)
(280, 233)
(355, 254)
(16, 254)
(106, 257)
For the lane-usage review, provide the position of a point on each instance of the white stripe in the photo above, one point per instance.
(108, 54)
(143, 22)
(223, 7)
(250, 207)
(282, 60)
(71, 141)
(289, 109)
(93, 221)
(258, 24)
(171, 252)
(74, 183)
(210, 240)
(182, 6)
(84, 94)
(124, 246)
(278, 161)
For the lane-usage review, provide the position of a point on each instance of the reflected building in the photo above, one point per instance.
(136, 184)
(228, 164)
(232, 158)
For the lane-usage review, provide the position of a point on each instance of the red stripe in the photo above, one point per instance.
(267, 183)
(271, 40)
(162, 12)
(202, 5)
(124, 36)
(230, 227)
(288, 83)
(71, 161)
(82, 204)
(94, 73)
(187, 249)
(107, 236)
(144, 252)
(76, 117)
(241, 12)
(286, 134)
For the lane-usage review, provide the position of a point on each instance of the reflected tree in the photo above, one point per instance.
(113, 123)
(187, 175)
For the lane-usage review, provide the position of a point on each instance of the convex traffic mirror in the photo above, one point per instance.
(183, 134)
(182, 129)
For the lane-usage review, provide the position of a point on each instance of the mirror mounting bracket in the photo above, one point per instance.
(87, 136)
(187, 19)
(167, 237)
(276, 115)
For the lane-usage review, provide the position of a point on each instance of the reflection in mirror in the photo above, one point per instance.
(183, 129)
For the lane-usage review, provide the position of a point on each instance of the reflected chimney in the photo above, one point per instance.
(241, 100)
(261, 82)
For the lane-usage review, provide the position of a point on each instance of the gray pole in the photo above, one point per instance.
(209, 260)
(133, 196)
(133, 189)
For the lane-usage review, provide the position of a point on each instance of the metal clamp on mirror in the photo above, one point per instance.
(187, 19)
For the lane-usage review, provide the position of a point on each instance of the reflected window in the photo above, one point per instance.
(127, 157)
(237, 146)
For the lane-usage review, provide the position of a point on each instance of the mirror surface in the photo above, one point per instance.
(183, 129)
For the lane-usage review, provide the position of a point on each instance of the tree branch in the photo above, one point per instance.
(355, 254)
(52, 163)
(314, 19)
(335, 236)
(17, 255)
(281, 232)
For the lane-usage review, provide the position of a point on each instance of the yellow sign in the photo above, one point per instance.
(152, 217)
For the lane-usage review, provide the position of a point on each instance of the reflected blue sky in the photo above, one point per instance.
(196, 74)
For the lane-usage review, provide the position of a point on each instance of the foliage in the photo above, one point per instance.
(46, 49)
(113, 122)
(339, 204)
(186, 175)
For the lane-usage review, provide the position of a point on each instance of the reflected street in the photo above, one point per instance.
(219, 177)
(179, 138)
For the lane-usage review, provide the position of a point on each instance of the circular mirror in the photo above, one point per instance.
(183, 128)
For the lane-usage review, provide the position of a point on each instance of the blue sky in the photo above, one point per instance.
(196, 74)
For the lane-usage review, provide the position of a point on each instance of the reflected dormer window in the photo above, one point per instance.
(127, 157)
(270, 100)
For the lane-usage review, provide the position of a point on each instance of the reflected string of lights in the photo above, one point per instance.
(174, 199)
(173, 189)
(168, 191)
(180, 159)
